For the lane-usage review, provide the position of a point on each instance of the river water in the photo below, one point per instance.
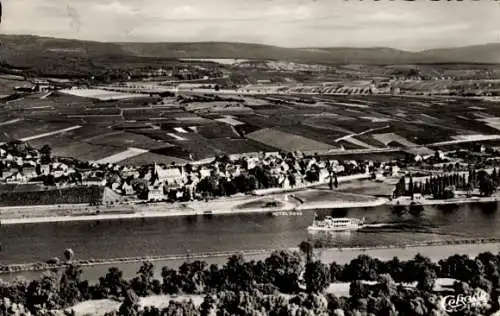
(239, 232)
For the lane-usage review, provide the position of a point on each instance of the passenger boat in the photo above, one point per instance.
(331, 224)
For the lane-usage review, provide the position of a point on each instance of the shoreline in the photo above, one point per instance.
(326, 254)
(162, 210)
(191, 210)
(457, 201)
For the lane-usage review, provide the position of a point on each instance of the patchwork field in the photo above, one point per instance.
(81, 125)
(129, 153)
(286, 141)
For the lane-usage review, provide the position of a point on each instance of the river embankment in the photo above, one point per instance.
(454, 201)
(434, 249)
(223, 206)
(305, 200)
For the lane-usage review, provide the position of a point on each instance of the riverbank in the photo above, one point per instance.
(456, 201)
(434, 249)
(243, 204)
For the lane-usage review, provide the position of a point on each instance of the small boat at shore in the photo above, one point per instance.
(331, 224)
(416, 209)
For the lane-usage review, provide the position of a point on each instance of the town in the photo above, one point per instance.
(35, 177)
(263, 158)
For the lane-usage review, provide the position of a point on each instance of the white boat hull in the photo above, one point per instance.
(313, 229)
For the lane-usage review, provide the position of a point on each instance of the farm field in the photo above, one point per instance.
(178, 131)
(124, 140)
(100, 94)
(28, 128)
(129, 153)
(7, 86)
(237, 146)
(150, 158)
(64, 146)
(286, 141)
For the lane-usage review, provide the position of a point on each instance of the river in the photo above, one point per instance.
(239, 232)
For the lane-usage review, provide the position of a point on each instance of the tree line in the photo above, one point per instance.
(285, 283)
(444, 186)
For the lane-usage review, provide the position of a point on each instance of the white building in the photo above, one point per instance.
(170, 175)
(156, 194)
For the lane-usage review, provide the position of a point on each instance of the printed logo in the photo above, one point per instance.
(460, 302)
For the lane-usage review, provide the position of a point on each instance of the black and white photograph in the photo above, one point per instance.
(249, 157)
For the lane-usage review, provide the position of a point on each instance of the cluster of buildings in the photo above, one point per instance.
(285, 172)
(20, 164)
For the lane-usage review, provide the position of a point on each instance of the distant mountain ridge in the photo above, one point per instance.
(26, 49)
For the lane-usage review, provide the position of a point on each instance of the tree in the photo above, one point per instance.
(291, 180)
(130, 305)
(142, 284)
(46, 150)
(171, 281)
(362, 268)
(207, 305)
(336, 272)
(71, 286)
(112, 284)
(43, 294)
(68, 254)
(317, 277)
(426, 280)
(237, 274)
(46, 153)
(486, 186)
(193, 277)
(358, 289)
(307, 249)
(283, 270)
(410, 187)
(386, 285)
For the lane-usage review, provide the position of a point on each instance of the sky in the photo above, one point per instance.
(409, 25)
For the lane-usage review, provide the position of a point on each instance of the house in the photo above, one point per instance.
(29, 172)
(45, 169)
(395, 170)
(115, 186)
(169, 175)
(6, 173)
(58, 173)
(16, 177)
(127, 189)
(205, 172)
(156, 194)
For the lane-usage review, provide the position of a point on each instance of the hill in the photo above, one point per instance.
(488, 53)
(44, 53)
